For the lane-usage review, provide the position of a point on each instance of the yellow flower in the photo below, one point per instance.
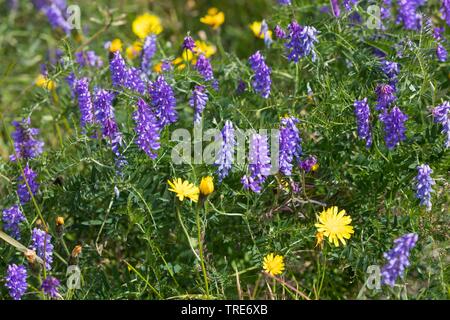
(145, 24)
(214, 18)
(184, 189)
(206, 186)
(335, 226)
(43, 82)
(134, 50)
(116, 45)
(158, 67)
(315, 167)
(205, 48)
(273, 265)
(256, 28)
(319, 239)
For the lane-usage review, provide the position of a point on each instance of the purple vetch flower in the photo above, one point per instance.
(166, 66)
(290, 144)
(26, 146)
(189, 44)
(88, 58)
(362, 113)
(84, 101)
(203, 66)
(104, 113)
(56, 18)
(265, 31)
(279, 32)
(147, 129)
(394, 127)
(198, 101)
(29, 176)
(398, 258)
(225, 155)
(445, 11)
(301, 41)
(123, 76)
(50, 287)
(284, 2)
(16, 281)
(259, 163)
(424, 185)
(261, 81)
(385, 96)
(163, 101)
(349, 4)
(391, 70)
(241, 87)
(12, 218)
(441, 115)
(335, 7)
(41, 243)
(408, 14)
(308, 164)
(71, 80)
(441, 53)
(386, 8)
(148, 51)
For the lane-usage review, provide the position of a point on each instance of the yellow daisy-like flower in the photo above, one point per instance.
(145, 24)
(184, 189)
(205, 48)
(158, 67)
(256, 28)
(335, 225)
(134, 50)
(43, 82)
(273, 265)
(116, 45)
(315, 167)
(214, 18)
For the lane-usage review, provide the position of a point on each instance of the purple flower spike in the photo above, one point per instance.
(335, 7)
(408, 14)
(12, 218)
(16, 281)
(122, 76)
(147, 129)
(398, 259)
(163, 101)
(290, 144)
(261, 81)
(50, 287)
(88, 58)
(84, 101)
(41, 244)
(394, 127)
(441, 116)
(148, 51)
(362, 113)
(198, 101)
(259, 163)
(279, 32)
(22, 189)
(189, 44)
(308, 164)
(424, 184)
(225, 155)
(445, 11)
(203, 66)
(284, 2)
(26, 145)
(301, 41)
(385, 96)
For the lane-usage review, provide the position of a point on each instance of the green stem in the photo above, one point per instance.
(200, 247)
(186, 232)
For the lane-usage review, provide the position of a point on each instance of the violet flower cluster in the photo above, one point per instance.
(225, 154)
(385, 96)
(198, 101)
(424, 185)
(259, 163)
(441, 51)
(88, 58)
(16, 281)
(26, 145)
(362, 114)
(148, 51)
(301, 41)
(394, 127)
(56, 17)
(84, 101)
(189, 44)
(284, 2)
(147, 129)
(445, 11)
(50, 287)
(42, 245)
(398, 259)
(408, 14)
(163, 101)
(391, 70)
(12, 217)
(204, 68)
(335, 8)
(441, 115)
(290, 144)
(127, 77)
(29, 176)
(308, 164)
(279, 32)
(261, 81)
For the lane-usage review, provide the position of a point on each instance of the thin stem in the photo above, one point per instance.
(200, 247)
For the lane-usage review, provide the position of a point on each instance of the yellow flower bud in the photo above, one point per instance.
(206, 186)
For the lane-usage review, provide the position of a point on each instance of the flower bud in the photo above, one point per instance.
(206, 186)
